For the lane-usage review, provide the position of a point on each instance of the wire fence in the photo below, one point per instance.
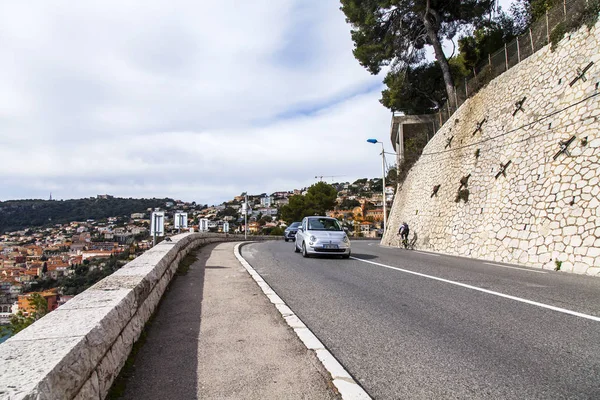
(537, 36)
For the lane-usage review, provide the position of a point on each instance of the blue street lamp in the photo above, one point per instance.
(375, 141)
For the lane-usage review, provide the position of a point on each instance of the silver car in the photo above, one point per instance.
(322, 235)
(290, 231)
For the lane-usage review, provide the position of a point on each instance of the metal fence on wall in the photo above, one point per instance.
(537, 36)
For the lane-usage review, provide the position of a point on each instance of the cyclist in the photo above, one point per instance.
(403, 232)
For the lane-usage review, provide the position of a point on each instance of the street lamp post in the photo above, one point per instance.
(375, 141)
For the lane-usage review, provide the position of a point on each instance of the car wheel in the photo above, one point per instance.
(296, 250)
(304, 252)
(346, 256)
(287, 240)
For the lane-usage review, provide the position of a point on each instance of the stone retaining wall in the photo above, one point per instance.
(544, 206)
(76, 351)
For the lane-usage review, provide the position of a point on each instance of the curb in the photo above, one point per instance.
(343, 381)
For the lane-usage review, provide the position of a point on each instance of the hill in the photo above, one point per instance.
(20, 214)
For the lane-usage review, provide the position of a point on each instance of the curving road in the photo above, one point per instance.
(417, 325)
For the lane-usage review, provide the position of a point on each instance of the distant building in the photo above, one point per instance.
(280, 195)
(267, 211)
(6, 311)
(106, 246)
(266, 201)
(97, 254)
(105, 196)
(138, 215)
(376, 214)
(253, 227)
(50, 296)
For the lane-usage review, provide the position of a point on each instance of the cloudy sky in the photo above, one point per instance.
(199, 101)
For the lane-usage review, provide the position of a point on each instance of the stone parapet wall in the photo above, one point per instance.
(76, 351)
(544, 206)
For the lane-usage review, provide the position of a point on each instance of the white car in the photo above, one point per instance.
(322, 235)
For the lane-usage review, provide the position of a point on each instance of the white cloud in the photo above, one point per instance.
(198, 102)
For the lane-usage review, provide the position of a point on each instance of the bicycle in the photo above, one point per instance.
(405, 243)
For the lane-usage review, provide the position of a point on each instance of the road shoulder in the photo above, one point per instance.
(216, 336)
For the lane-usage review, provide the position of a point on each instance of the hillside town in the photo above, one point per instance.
(61, 260)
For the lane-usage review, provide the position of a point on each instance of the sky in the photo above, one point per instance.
(198, 101)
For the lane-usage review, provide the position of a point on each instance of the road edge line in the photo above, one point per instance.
(348, 388)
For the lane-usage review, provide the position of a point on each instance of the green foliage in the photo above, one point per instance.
(587, 17)
(558, 33)
(319, 199)
(294, 210)
(229, 212)
(487, 38)
(84, 275)
(392, 177)
(475, 49)
(557, 264)
(19, 214)
(413, 147)
(264, 220)
(188, 260)
(396, 32)
(377, 186)
(538, 8)
(590, 15)
(20, 321)
(277, 231)
(415, 90)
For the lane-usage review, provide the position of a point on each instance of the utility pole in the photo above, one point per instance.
(246, 218)
(375, 141)
(384, 198)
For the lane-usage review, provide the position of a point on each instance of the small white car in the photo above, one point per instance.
(322, 235)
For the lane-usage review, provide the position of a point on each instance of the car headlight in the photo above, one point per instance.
(345, 239)
(313, 239)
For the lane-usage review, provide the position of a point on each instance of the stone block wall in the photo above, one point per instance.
(76, 351)
(544, 206)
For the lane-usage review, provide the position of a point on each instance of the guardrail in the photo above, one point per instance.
(76, 351)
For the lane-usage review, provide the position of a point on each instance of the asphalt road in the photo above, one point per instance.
(406, 328)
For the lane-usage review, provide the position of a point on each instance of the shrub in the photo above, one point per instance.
(588, 17)
(558, 265)
(558, 33)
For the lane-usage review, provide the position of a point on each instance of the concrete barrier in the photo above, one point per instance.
(76, 351)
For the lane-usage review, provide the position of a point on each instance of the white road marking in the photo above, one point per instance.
(429, 254)
(342, 380)
(520, 269)
(506, 296)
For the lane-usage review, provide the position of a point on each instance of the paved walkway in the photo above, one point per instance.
(216, 336)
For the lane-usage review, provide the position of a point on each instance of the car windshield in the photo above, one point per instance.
(324, 224)
(295, 224)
